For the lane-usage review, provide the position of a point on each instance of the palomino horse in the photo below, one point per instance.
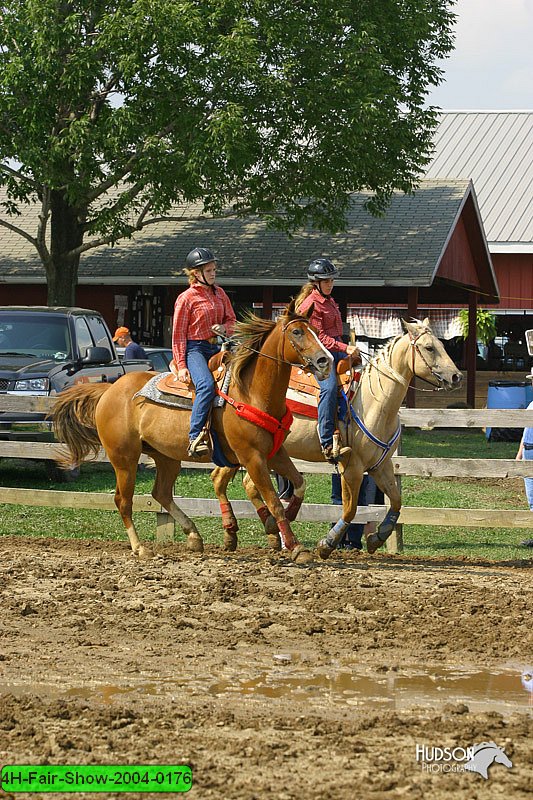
(111, 414)
(371, 427)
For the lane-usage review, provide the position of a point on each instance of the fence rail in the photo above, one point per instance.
(310, 512)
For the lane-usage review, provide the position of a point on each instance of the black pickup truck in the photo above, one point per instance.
(45, 350)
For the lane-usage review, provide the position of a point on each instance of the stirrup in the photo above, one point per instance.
(333, 455)
(200, 446)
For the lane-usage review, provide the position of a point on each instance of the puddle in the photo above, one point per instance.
(482, 690)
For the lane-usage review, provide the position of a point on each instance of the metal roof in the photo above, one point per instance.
(495, 150)
(402, 248)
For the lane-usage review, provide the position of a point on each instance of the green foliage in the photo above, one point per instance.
(272, 107)
(485, 324)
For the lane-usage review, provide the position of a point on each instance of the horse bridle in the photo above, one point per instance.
(414, 347)
(282, 360)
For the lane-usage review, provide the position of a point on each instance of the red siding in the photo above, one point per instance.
(514, 273)
(457, 263)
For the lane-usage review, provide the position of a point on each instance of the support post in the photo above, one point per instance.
(471, 351)
(166, 528)
(268, 297)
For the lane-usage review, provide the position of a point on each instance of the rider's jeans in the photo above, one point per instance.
(327, 402)
(197, 356)
(527, 455)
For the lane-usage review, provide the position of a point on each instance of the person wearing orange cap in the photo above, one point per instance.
(132, 350)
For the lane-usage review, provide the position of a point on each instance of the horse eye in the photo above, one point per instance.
(430, 348)
(297, 331)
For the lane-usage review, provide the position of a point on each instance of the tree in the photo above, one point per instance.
(112, 112)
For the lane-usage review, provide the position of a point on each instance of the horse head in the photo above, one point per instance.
(484, 755)
(429, 359)
(301, 344)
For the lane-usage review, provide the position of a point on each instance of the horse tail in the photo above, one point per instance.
(73, 418)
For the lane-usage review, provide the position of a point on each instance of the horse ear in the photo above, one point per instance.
(426, 323)
(291, 307)
(309, 313)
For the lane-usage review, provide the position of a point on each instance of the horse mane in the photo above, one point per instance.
(250, 334)
(382, 355)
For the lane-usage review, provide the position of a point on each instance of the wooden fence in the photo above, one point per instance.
(310, 512)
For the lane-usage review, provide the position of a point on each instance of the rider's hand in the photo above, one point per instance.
(353, 351)
(184, 375)
(219, 329)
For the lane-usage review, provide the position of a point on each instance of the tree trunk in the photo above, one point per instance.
(65, 235)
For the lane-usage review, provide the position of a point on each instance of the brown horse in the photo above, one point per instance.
(371, 428)
(111, 414)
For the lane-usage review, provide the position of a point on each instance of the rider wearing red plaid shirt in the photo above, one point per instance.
(326, 318)
(201, 312)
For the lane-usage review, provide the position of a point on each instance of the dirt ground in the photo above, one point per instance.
(269, 679)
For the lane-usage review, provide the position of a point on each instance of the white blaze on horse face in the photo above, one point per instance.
(324, 349)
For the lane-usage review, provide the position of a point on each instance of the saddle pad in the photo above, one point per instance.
(152, 392)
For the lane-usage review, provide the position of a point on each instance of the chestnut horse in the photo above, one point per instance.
(110, 414)
(371, 428)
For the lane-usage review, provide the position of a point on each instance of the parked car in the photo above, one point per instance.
(159, 357)
(44, 350)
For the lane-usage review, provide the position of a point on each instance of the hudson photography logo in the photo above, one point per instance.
(477, 758)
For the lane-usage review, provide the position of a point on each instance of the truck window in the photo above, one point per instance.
(83, 337)
(99, 333)
(40, 335)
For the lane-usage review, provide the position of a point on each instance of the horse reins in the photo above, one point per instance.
(398, 378)
(274, 358)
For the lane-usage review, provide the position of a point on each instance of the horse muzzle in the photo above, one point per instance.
(449, 381)
(321, 366)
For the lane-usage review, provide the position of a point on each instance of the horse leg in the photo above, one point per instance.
(384, 477)
(221, 477)
(284, 467)
(125, 476)
(260, 475)
(269, 523)
(167, 470)
(351, 478)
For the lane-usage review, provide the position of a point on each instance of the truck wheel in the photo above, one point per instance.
(58, 475)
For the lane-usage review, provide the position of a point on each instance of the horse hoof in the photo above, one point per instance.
(230, 541)
(301, 555)
(274, 542)
(324, 550)
(195, 544)
(145, 552)
(373, 543)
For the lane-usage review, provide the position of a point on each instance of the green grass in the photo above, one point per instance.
(495, 543)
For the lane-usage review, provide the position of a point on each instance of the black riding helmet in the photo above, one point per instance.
(321, 269)
(199, 257)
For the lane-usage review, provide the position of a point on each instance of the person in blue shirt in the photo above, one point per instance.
(133, 350)
(525, 453)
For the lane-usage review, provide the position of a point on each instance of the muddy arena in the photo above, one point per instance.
(332, 680)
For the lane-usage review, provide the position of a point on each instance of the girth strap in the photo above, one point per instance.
(278, 428)
(385, 446)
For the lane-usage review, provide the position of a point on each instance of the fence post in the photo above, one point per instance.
(166, 528)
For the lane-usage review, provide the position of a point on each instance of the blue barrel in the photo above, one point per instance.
(507, 394)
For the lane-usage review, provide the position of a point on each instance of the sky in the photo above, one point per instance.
(491, 67)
